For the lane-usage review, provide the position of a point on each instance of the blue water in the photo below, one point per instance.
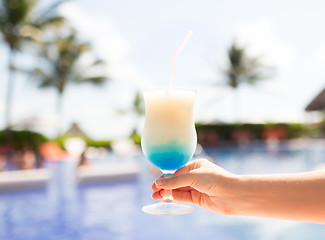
(112, 211)
(168, 157)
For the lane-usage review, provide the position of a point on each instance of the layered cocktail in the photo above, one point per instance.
(169, 138)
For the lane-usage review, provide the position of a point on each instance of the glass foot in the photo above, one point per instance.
(167, 208)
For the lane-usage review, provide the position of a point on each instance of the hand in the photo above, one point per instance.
(295, 196)
(199, 182)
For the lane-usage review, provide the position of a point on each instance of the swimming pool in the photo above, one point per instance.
(113, 210)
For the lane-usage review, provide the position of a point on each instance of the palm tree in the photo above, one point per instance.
(62, 65)
(19, 21)
(137, 110)
(138, 104)
(138, 107)
(242, 68)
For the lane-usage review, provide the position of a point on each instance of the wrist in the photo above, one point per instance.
(235, 196)
(249, 196)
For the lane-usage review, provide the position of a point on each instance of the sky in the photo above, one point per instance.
(138, 40)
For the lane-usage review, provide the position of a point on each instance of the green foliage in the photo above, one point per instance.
(242, 68)
(89, 142)
(138, 104)
(62, 64)
(60, 141)
(103, 144)
(136, 138)
(19, 21)
(314, 131)
(293, 130)
(20, 140)
(61, 58)
(224, 131)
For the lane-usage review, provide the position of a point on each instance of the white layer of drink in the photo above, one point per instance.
(169, 136)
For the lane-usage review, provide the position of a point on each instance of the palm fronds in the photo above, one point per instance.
(242, 68)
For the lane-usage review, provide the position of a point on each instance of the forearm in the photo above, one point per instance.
(290, 196)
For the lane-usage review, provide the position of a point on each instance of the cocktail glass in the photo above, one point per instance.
(169, 139)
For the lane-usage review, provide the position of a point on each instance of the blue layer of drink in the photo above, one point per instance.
(169, 157)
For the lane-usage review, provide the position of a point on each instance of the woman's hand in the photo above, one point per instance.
(199, 182)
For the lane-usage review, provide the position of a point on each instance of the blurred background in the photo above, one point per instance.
(71, 109)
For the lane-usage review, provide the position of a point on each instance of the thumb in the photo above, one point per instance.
(173, 182)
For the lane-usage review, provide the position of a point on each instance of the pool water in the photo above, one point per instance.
(113, 210)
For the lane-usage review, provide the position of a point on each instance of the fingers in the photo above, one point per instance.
(183, 196)
(157, 195)
(183, 177)
(189, 167)
(178, 195)
(184, 180)
(154, 187)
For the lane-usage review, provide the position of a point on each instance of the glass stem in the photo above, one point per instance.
(168, 194)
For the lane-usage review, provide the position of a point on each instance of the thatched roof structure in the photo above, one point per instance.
(75, 130)
(318, 103)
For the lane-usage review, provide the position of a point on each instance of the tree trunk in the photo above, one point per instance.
(236, 107)
(59, 113)
(8, 107)
(10, 88)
